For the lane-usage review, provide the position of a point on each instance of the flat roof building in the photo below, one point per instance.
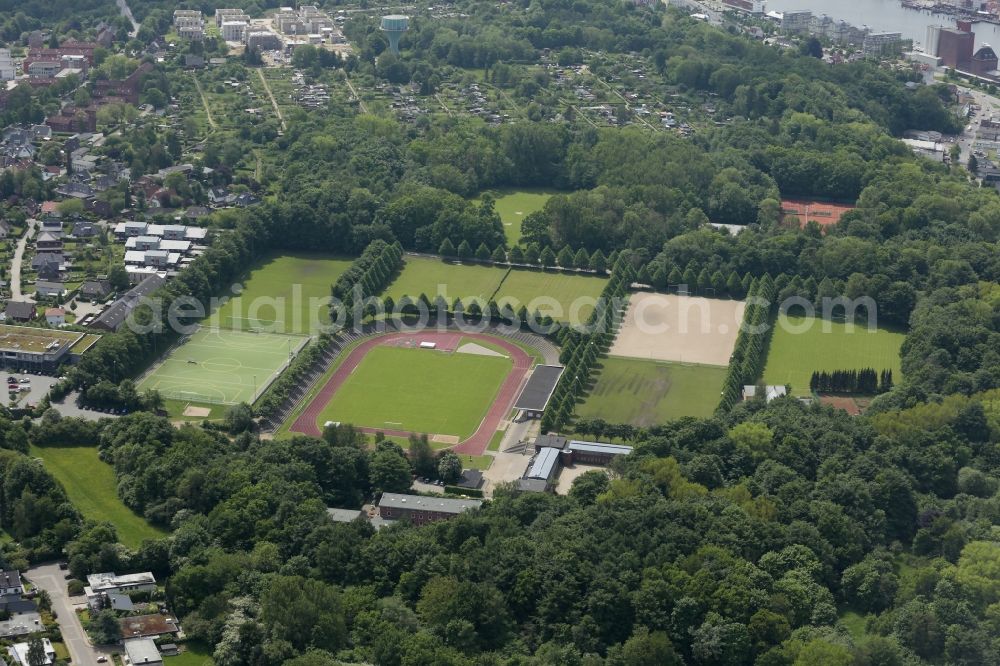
(538, 390)
(142, 652)
(420, 509)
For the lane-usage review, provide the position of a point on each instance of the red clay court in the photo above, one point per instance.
(444, 341)
(803, 211)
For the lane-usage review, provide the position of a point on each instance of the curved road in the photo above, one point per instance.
(476, 444)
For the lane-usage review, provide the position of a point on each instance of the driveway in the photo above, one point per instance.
(50, 577)
(15, 264)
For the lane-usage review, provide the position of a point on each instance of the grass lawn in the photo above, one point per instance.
(291, 291)
(481, 463)
(90, 484)
(193, 653)
(524, 286)
(645, 393)
(419, 391)
(175, 410)
(222, 366)
(421, 275)
(794, 356)
(514, 205)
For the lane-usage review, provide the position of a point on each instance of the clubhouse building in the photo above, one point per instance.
(553, 452)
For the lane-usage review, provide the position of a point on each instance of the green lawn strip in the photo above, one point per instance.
(193, 653)
(794, 356)
(418, 391)
(513, 205)
(644, 393)
(495, 441)
(90, 484)
(422, 275)
(281, 288)
(481, 463)
(543, 290)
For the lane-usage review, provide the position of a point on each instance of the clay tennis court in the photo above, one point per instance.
(308, 421)
(685, 329)
(803, 211)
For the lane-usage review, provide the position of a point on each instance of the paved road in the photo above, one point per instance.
(127, 13)
(15, 264)
(50, 578)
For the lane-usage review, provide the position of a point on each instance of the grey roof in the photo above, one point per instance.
(544, 466)
(142, 651)
(13, 603)
(96, 287)
(114, 316)
(344, 515)
(120, 601)
(20, 310)
(600, 447)
(45, 287)
(10, 578)
(420, 503)
(471, 478)
(553, 441)
(539, 387)
(532, 485)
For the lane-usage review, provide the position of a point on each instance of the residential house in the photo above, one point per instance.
(142, 652)
(48, 242)
(114, 316)
(47, 289)
(52, 225)
(21, 624)
(95, 290)
(128, 89)
(84, 230)
(19, 653)
(110, 582)
(10, 582)
(19, 311)
(147, 626)
(55, 317)
(4, 229)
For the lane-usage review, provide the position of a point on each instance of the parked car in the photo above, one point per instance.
(25, 380)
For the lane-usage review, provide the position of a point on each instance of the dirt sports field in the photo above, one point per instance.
(685, 329)
(802, 212)
(308, 421)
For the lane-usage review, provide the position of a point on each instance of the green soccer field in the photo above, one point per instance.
(222, 366)
(422, 275)
(283, 294)
(90, 484)
(645, 393)
(794, 356)
(571, 292)
(418, 390)
(515, 205)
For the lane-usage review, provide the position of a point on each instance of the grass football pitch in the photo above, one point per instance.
(222, 366)
(419, 390)
(571, 292)
(645, 393)
(90, 484)
(794, 356)
(283, 294)
(421, 275)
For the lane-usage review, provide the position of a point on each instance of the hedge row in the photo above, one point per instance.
(747, 360)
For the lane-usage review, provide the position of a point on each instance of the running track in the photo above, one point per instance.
(476, 444)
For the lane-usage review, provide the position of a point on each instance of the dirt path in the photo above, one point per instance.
(475, 444)
(204, 103)
(274, 102)
(361, 102)
(18, 260)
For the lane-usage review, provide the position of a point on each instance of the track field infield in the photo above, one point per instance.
(803, 345)
(215, 366)
(389, 384)
(644, 393)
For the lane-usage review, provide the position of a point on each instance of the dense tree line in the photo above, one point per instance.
(866, 381)
(750, 350)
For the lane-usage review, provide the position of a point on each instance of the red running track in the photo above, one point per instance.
(307, 422)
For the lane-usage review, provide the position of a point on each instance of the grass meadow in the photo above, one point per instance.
(794, 356)
(91, 486)
(419, 391)
(644, 393)
(514, 205)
